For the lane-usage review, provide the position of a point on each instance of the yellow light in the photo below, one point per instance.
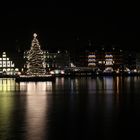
(16, 69)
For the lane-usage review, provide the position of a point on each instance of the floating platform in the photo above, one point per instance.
(25, 78)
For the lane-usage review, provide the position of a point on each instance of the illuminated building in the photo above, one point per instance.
(104, 59)
(129, 60)
(57, 60)
(92, 59)
(7, 67)
(138, 61)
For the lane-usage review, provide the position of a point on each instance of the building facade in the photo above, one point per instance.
(113, 59)
(58, 60)
(7, 67)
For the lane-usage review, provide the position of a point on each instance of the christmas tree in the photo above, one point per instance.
(35, 59)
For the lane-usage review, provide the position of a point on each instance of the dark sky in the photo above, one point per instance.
(69, 25)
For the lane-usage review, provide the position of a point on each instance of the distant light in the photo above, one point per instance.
(19, 73)
(108, 55)
(93, 55)
(135, 70)
(62, 72)
(4, 69)
(35, 35)
(56, 71)
(8, 69)
(117, 71)
(16, 69)
(51, 72)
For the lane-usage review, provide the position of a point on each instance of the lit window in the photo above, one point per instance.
(108, 55)
(3, 55)
(12, 65)
(4, 64)
(4, 69)
(89, 56)
(91, 64)
(109, 63)
(8, 69)
(4, 58)
(16, 69)
(90, 60)
(8, 63)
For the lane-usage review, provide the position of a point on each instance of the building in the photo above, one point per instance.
(138, 61)
(57, 60)
(7, 67)
(129, 60)
(106, 59)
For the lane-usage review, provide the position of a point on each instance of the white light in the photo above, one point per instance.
(117, 71)
(8, 69)
(135, 70)
(19, 73)
(56, 71)
(35, 35)
(108, 55)
(91, 60)
(91, 64)
(16, 69)
(12, 65)
(4, 69)
(62, 72)
(89, 56)
(51, 72)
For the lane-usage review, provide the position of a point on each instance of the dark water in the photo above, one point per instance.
(70, 109)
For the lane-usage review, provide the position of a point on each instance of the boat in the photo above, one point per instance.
(34, 78)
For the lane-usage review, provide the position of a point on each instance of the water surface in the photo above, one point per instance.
(79, 108)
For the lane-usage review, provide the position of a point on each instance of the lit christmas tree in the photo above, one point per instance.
(35, 59)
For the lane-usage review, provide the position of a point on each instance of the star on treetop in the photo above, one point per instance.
(35, 35)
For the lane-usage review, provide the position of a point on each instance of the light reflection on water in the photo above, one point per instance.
(105, 85)
(36, 117)
(34, 88)
(68, 107)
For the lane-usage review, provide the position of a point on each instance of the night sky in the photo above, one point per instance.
(69, 25)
